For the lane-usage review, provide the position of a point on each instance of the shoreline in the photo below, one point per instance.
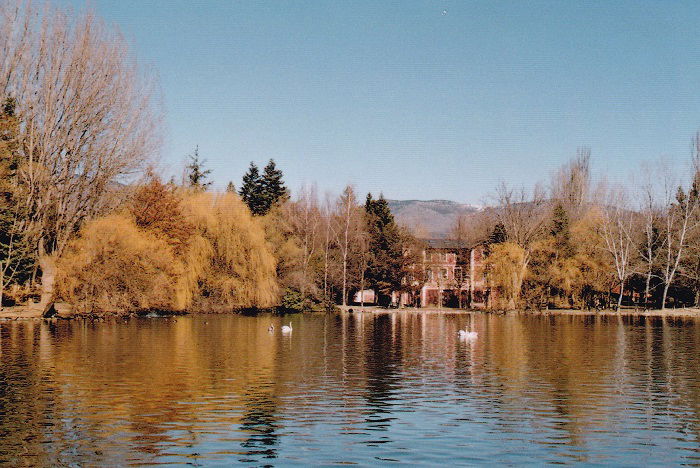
(35, 313)
(23, 312)
(682, 312)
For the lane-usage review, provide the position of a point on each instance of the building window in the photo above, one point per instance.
(458, 273)
(443, 273)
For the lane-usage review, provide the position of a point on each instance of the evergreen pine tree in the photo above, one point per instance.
(498, 235)
(385, 267)
(196, 174)
(230, 188)
(251, 190)
(273, 189)
(561, 233)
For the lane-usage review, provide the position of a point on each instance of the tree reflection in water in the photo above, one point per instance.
(350, 388)
(382, 359)
(259, 422)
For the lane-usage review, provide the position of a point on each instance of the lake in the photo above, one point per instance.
(350, 389)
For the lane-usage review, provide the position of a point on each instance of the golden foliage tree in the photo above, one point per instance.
(113, 266)
(506, 272)
(241, 269)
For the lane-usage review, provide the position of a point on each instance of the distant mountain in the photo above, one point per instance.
(429, 218)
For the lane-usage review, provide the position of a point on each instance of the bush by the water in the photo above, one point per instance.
(113, 266)
(214, 256)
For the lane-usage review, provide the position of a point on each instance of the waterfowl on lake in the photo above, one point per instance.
(287, 328)
(468, 335)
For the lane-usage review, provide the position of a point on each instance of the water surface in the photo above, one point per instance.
(350, 389)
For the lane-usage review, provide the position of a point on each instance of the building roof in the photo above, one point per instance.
(442, 243)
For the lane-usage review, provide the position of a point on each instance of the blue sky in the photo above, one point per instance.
(432, 99)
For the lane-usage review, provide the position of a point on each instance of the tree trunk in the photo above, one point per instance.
(48, 275)
(345, 274)
(646, 290)
(619, 299)
(362, 290)
(663, 298)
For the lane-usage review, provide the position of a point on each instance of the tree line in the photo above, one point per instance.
(585, 243)
(84, 217)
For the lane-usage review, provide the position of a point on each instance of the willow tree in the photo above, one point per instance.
(240, 269)
(505, 266)
(523, 216)
(113, 266)
(88, 118)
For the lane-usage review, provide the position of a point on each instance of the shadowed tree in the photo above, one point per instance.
(16, 251)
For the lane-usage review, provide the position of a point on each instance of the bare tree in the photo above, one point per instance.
(89, 118)
(329, 236)
(618, 237)
(349, 223)
(571, 184)
(304, 217)
(680, 220)
(652, 242)
(522, 214)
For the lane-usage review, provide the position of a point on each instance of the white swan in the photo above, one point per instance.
(468, 335)
(287, 328)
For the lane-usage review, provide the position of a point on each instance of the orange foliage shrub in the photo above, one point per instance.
(113, 266)
(156, 208)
